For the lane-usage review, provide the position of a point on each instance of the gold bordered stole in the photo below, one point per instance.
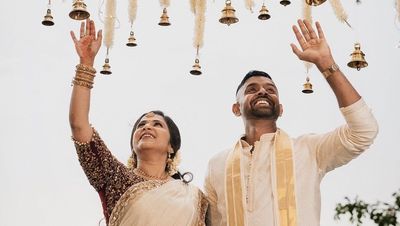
(283, 167)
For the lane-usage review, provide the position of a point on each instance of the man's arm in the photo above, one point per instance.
(338, 147)
(315, 49)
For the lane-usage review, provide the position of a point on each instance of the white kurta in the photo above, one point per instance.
(314, 156)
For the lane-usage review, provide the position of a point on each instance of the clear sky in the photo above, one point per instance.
(41, 181)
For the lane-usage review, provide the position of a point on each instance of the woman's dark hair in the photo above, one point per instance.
(175, 136)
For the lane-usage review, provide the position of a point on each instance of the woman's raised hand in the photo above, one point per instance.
(88, 44)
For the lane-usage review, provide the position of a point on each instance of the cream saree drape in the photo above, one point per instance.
(158, 203)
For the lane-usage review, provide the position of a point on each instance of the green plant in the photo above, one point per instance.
(381, 213)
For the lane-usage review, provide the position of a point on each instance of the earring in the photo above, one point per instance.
(132, 162)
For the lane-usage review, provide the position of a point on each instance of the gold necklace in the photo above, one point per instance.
(143, 174)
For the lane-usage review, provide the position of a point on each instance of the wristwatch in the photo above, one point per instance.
(331, 69)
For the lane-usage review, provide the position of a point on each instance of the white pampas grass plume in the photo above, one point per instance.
(199, 21)
(307, 12)
(339, 11)
(164, 3)
(193, 6)
(307, 15)
(249, 5)
(132, 9)
(109, 23)
(398, 9)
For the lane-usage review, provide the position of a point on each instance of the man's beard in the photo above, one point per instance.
(271, 112)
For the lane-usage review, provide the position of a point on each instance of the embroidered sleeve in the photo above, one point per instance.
(203, 207)
(99, 165)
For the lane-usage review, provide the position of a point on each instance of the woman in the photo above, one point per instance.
(145, 192)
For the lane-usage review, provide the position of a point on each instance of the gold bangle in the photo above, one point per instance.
(82, 83)
(83, 67)
(83, 80)
(85, 72)
(85, 76)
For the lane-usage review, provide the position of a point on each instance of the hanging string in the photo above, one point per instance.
(132, 10)
(339, 11)
(109, 23)
(199, 9)
(249, 5)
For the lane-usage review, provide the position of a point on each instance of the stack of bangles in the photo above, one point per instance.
(84, 76)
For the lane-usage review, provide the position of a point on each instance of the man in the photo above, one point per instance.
(270, 179)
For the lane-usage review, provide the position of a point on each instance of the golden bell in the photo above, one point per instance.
(228, 14)
(285, 2)
(357, 58)
(131, 40)
(79, 11)
(307, 87)
(264, 15)
(164, 21)
(315, 2)
(48, 19)
(106, 68)
(196, 68)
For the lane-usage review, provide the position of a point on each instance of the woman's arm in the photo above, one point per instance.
(87, 47)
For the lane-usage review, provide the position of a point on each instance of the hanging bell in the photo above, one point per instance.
(48, 19)
(131, 40)
(285, 2)
(106, 68)
(307, 87)
(228, 14)
(357, 58)
(164, 21)
(315, 2)
(79, 11)
(264, 15)
(196, 68)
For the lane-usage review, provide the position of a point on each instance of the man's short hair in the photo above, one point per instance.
(250, 74)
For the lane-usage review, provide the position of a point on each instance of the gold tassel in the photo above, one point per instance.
(339, 11)
(109, 23)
